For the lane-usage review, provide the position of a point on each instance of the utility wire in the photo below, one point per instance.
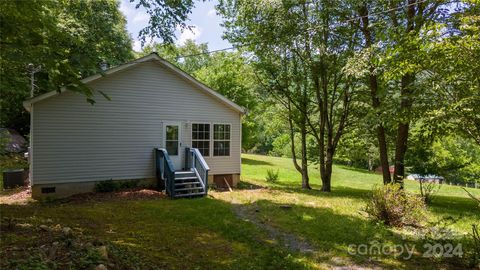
(313, 28)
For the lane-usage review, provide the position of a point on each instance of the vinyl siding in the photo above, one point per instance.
(74, 141)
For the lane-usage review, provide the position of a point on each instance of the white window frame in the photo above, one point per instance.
(229, 140)
(210, 136)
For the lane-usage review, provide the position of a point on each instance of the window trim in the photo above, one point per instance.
(229, 140)
(210, 147)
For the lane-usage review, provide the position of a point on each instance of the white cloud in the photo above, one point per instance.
(211, 12)
(137, 45)
(141, 18)
(186, 34)
(127, 8)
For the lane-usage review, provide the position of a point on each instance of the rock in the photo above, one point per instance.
(103, 252)
(44, 228)
(49, 220)
(100, 267)
(66, 231)
(52, 252)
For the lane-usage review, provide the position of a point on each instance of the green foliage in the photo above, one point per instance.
(428, 190)
(106, 186)
(110, 185)
(68, 39)
(13, 161)
(229, 73)
(165, 18)
(393, 206)
(272, 176)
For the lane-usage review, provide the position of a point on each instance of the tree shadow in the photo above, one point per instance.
(248, 161)
(337, 191)
(336, 236)
(176, 234)
(355, 169)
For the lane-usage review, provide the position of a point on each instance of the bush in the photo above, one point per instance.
(110, 185)
(106, 186)
(393, 206)
(428, 190)
(272, 176)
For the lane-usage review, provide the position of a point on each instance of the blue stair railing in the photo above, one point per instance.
(194, 161)
(165, 171)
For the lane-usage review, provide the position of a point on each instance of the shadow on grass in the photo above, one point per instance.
(454, 206)
(337, 191)
(248, 161)
(441, 204)
(333, 235)
(355, 169)
(176, 234)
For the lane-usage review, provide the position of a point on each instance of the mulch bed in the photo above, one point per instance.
(126, 194)
(17, 196)
(24, 195)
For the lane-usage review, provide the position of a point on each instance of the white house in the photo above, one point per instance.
(154, 109)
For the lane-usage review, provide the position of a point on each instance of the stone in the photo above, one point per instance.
(100, 267)
(103, 252)
(44, 228)
(66, 231)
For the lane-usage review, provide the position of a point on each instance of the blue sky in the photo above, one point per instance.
(203, 18)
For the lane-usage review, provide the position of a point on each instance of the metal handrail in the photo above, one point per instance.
(195, 161)
(165, 171)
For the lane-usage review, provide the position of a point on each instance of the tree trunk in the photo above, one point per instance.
(403, 128)
(373, 84)
(305, 180)
(382, 147)
(327, 175)
(303, 169)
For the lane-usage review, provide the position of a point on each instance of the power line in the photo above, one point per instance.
(208, 52)
(313, 28)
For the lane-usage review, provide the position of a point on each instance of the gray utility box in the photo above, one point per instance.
(14, 178)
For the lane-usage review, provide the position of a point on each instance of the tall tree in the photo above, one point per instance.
(229, 73)
(307, 35)
(67, 39)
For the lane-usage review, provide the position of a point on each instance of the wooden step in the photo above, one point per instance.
(186, 178)
(187, 183)
(189, 194)
(187, 189)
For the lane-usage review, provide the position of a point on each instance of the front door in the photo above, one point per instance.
(172, 142)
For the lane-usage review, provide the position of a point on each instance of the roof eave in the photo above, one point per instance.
(27, 104)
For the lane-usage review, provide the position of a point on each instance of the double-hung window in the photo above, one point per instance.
(221, 140)
(201, 138)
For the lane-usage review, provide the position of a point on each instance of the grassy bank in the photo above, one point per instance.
(254, 227)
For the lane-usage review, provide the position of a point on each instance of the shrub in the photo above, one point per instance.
(393, 206)
(106, 186)
(475, 257)
(272, 176)
(128, 184)
(110, 185)
(428, 190)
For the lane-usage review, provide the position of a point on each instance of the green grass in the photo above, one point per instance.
(206, 234)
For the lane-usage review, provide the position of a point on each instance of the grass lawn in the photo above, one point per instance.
(249, 228)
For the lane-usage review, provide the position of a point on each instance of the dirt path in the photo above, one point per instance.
(289, 241)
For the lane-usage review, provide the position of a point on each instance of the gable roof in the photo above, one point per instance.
(151, 57)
